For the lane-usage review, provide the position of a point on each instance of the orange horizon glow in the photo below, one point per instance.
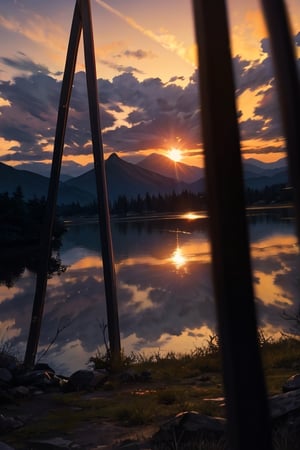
(191, 160)
(175, 154)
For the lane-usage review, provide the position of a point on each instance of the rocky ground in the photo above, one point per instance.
(34, 413)
(102, 434)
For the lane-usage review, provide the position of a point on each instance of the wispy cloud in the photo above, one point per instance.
(37, 29)
(138, 54)
(24, 64)
(120, 67)
(165, 40)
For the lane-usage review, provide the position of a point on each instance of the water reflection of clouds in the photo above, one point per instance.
(275, 267)
(8, 294)
(161, 306)
(138, 300)
(177, 303)
(8, 330)
(275, 261)
(87, 262)
(269, 292)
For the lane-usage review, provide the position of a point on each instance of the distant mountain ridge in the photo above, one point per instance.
(165, 166)
(34, 185)
(131, 180)
(259, 174)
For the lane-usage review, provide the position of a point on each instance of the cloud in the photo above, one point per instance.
(25, 64)
(38, 29)
(138, 54)
(176, 78)
(252, 74)
(135, 115)
(120, 67)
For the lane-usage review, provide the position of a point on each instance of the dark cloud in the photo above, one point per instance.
(156, 112)
(251, 128)
(252, 74)
(265, 45)
(160, 112)
(264, 150)
(25, 64)
(138, 54)
(176, 78)
(268, 108)
(120, 67)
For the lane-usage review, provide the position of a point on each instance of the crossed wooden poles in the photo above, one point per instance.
(82, 20)
(247, 407)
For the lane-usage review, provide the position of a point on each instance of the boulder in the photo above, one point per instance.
(4, 446)
(83, 380)
(190, 426)
(283, 404)
(5, 375)
(9, 423)
(8, 361)
(292, 383)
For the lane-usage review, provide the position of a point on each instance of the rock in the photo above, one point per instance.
(5, 375)
(45, 367)
(38, 378)
(4, 446)
(82, 380)
(8, 361)
(20, 391)
(131, 375)
(128, 376)
(282, 404)
(79, 380)
(9, 423)
(145, 375)
(6, 396)
(190, 426)
(129, 445)
(292, 383)
(100, 376)
(52, 444)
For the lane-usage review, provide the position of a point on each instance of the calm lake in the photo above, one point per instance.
(165, 294)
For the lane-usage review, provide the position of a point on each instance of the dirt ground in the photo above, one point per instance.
(87, 435)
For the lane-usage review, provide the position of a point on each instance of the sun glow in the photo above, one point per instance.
(175, 154)
(194, 216)
(178, 258)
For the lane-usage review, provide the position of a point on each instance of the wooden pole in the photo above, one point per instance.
(101, 184)
(81, 20)
(288, 83)
(47, 230)
(248, 422)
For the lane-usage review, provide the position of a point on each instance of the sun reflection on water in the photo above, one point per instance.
(194, 216)
(178, 259)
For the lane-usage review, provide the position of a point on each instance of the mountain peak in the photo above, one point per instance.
(165, 166)
(113, 157)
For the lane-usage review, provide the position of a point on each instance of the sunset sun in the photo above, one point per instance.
(175, 154)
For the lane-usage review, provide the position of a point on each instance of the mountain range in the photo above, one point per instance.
(155, 174)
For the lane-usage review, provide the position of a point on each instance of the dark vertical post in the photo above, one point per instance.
(103, 204)
(248, 424)
(47, 230)
(288, 83)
